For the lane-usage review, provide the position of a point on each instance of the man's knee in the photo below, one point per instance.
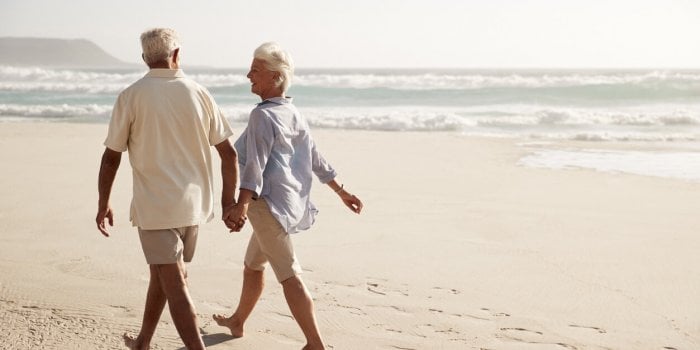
(171, 275)
(248, 272)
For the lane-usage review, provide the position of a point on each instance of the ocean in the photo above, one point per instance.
(651, 109)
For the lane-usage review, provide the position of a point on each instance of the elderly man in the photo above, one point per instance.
(168, 123)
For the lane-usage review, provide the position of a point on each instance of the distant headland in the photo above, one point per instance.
(57, 53)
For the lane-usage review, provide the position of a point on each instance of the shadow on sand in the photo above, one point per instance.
(213, 339)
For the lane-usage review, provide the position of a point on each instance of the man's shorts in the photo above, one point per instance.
(168, 246)
(270, 243)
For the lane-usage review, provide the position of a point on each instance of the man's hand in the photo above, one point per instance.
(103, 214)
(108, 170)
(235, 216)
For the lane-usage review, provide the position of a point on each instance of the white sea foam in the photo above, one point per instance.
(470, 81)
(601, 106)
(618, 136)
(54, 111)
(377, 118)
(70, 87)
(389, 121)
(514, 116)
(402, 80)
(34, 74)
(220, 80)
(677, 165)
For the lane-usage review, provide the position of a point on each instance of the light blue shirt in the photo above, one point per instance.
(277, 158)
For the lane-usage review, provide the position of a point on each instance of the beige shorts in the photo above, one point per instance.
(169, 246)
(270, 243)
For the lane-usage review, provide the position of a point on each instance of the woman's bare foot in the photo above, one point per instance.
(232, 323)
(135, 343)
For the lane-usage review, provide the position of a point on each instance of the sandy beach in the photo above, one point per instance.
(458, 247)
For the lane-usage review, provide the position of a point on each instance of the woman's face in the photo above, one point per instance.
(263, 80)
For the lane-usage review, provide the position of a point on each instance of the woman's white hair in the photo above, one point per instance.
(158, 44)
(277, 60)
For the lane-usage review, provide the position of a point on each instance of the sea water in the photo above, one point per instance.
(596, 106)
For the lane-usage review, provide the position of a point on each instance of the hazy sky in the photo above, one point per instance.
(384, 33)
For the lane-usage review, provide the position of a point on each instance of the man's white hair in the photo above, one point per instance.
(158, 44)
(277, 60)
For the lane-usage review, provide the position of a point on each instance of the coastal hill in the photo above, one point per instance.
(63, 53)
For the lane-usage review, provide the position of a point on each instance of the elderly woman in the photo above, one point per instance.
(277, 158)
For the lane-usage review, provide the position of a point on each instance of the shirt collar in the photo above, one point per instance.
(277, 100)
(165, 73)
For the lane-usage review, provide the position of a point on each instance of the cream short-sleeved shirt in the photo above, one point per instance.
(168, 123)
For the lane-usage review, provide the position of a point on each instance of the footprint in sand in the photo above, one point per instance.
(122, 311)
(351, 309)
(448, 290)
(279, 316)
(495, 314)
(281, 337)
(216, 307)
(518, 329)
(374, 288)
(461, 316)
(599, 330)
(520, 335)
(377, 286)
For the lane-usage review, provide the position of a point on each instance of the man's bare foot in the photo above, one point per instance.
(134, 343)
(231, 323)
(312, 347)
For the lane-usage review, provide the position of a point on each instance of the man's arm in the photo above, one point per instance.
(229, 174)
(108, 171)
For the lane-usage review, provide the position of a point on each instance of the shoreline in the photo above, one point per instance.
(458, 248)
(658, 153)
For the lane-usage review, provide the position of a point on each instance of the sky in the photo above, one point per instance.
(384, 33)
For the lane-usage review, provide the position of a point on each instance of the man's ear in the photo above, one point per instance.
(176, 56)
(143, 57)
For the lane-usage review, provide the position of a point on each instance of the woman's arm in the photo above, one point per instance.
(350, 200)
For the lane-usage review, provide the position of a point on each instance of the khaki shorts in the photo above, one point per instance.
(270, 243)
(169, 246)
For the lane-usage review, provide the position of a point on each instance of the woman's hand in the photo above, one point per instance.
(351, 201)
(235, 216)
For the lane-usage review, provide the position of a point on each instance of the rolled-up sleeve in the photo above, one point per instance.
(259, 138)
(323, 170)
(119, 125)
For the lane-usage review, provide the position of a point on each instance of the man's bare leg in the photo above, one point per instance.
(302, 307)
(253, 284)
(155, 303)
(172, 278)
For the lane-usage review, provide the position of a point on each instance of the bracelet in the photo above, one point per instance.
(340, 189)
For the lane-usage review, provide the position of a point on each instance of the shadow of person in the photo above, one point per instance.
(213, 339)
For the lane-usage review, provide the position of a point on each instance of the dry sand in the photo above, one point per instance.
(458, 248)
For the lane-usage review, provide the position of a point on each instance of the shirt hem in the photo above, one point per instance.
(174, 224)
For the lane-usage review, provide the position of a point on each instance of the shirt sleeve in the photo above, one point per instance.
(323, 170)
(219, 128)
(119, 126)
(259, 138)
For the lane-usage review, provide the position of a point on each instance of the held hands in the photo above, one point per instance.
(102, 214)
(235, 216)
